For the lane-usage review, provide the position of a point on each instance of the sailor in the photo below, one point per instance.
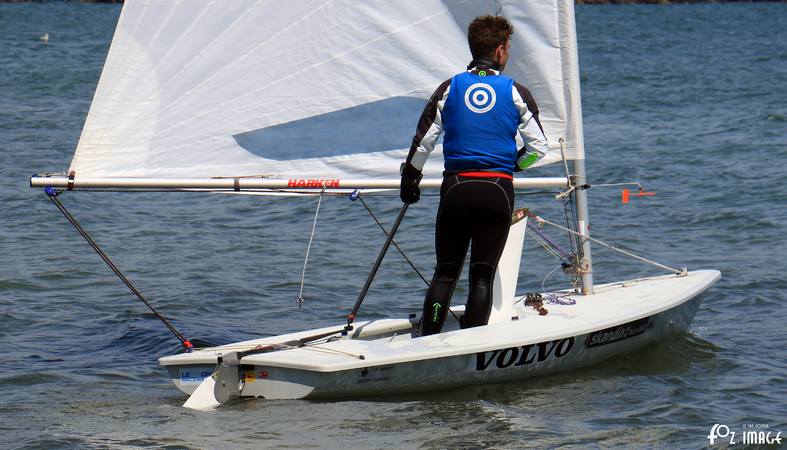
(481, 111)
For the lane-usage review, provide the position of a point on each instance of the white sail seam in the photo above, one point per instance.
(253, 92)
(224, 68)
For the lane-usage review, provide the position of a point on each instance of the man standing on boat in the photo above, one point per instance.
(481, 111)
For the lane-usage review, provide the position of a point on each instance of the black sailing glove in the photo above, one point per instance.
(408, 188)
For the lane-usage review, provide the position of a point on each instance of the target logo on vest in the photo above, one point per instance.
(480, 98)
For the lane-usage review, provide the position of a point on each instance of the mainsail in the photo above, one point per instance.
(279, 89)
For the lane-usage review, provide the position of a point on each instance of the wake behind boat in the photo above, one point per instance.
(189, 100)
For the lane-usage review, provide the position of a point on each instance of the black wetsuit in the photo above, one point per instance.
(477, 195)
(472, 210)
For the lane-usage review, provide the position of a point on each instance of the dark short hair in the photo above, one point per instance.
(486, 33)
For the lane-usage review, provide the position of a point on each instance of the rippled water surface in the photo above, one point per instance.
(688, 100)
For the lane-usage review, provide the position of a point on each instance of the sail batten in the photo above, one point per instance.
(198, 89)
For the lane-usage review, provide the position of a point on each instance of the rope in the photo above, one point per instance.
(567, 260)
(612, 247)
(555, 299)
(543, 282)
(569, 211)
(334, 351)
(308, 249)
(52, 195)
(628, 183)
(552, 298)
(399, 249)
(551, 245)
(379, 224)
(546, 246)
(284, 347)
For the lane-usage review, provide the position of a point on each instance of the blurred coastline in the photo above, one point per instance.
(586, 2)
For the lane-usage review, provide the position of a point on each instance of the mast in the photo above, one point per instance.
(570, 65)
(586, 261)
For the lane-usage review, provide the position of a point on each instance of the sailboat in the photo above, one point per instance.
(321, 97)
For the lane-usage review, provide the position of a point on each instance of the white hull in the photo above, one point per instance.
(618, 319)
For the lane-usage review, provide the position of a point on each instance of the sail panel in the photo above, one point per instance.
(282, 89)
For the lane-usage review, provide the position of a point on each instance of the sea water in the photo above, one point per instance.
(688, 100)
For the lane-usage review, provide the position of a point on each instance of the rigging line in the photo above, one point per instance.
(546, 247)
(379, 224)
(375, 268)
(629, 183)
(330, 350)
(558, 250)
(400, 250)
(308, 248)
(571, 221)
(313, 346)
(559, 299)
(569, 206)
(52, 195)
(543, 282)
(612, 247)
(536, 237)
(564, 157)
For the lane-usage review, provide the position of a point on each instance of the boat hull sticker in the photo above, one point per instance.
(193, 376)
(617, 333)
(522, 355)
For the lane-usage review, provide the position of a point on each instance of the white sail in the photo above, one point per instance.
(303, 89)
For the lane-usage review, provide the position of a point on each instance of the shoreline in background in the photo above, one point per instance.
(579, 2)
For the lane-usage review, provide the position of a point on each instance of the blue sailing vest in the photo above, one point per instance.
(480, 122)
